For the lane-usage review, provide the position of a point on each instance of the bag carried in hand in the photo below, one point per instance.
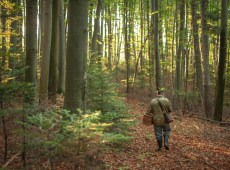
(168, 118)
(147, 119)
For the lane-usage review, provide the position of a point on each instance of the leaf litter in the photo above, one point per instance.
(194, 144)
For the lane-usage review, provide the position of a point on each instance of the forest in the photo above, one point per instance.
(77, 76)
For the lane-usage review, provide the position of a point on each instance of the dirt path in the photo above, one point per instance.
(194, 144)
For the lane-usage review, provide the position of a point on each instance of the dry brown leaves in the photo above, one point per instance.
(194, 144)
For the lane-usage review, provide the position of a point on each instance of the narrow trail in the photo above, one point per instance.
(194, 144)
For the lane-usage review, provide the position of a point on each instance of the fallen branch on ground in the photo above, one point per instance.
(11, 159)
(213, 121)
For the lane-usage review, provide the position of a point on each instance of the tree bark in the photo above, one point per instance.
(205, 54)
(179, 50)
(62, 54)
(110, 40)
(55, 49)
(76, 54)
(31, 42)
(159, 82)
(96, 34)
(199, 77)
(222, 62)
(150, 48)
(3, 37)
(126, 43)
(14, 36)
(46, 47)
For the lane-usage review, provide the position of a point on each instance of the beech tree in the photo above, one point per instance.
(159, 82)
(55, 49)
(31, 41)
(62, 53)
(76, 54)
(180, 47)
(46, 47)
(96, 34)
(205, 54)
(222, 62)
(14, 47)
(199, 73)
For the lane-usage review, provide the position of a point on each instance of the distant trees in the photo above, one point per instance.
(148, 44)
(96, 54)
(126, 29)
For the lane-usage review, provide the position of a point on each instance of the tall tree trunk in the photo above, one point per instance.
(46, 47)
(2, 69)
(4, 49)
(150, 47)
(126, 43)
(199, 77)
(142, 44)
(31, 42)
(14, 36)
(100, 36)
(91, 8)
(185, 40)
(76, 54)
(110, 39)
(41, 28)
(222, 62)
(118, 49)
(96, 34)
(179, 51)
(205, 54)
(174, 41)
(159, 82)
(55, 49)
(19, 27)
(62, 54)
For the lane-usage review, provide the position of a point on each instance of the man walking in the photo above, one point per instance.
(157, 107)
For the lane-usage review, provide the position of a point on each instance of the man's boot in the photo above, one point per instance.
(159, 142)
(166, 144)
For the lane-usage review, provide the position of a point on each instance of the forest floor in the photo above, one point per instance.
(194, 144)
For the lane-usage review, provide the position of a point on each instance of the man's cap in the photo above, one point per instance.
(160, 89)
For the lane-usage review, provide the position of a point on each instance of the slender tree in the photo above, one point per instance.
(110, 38)
(76, 54)
(46, 47)
(14, 35)
(222, 62)
(96, 33)
(55, 49)
(180, 48)
(199, 77)
(126, 42)
(31, 41)
(205, 54)
(3, 37)
(62, 54)
(150, 47)
(2, 69)
(159, 82)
